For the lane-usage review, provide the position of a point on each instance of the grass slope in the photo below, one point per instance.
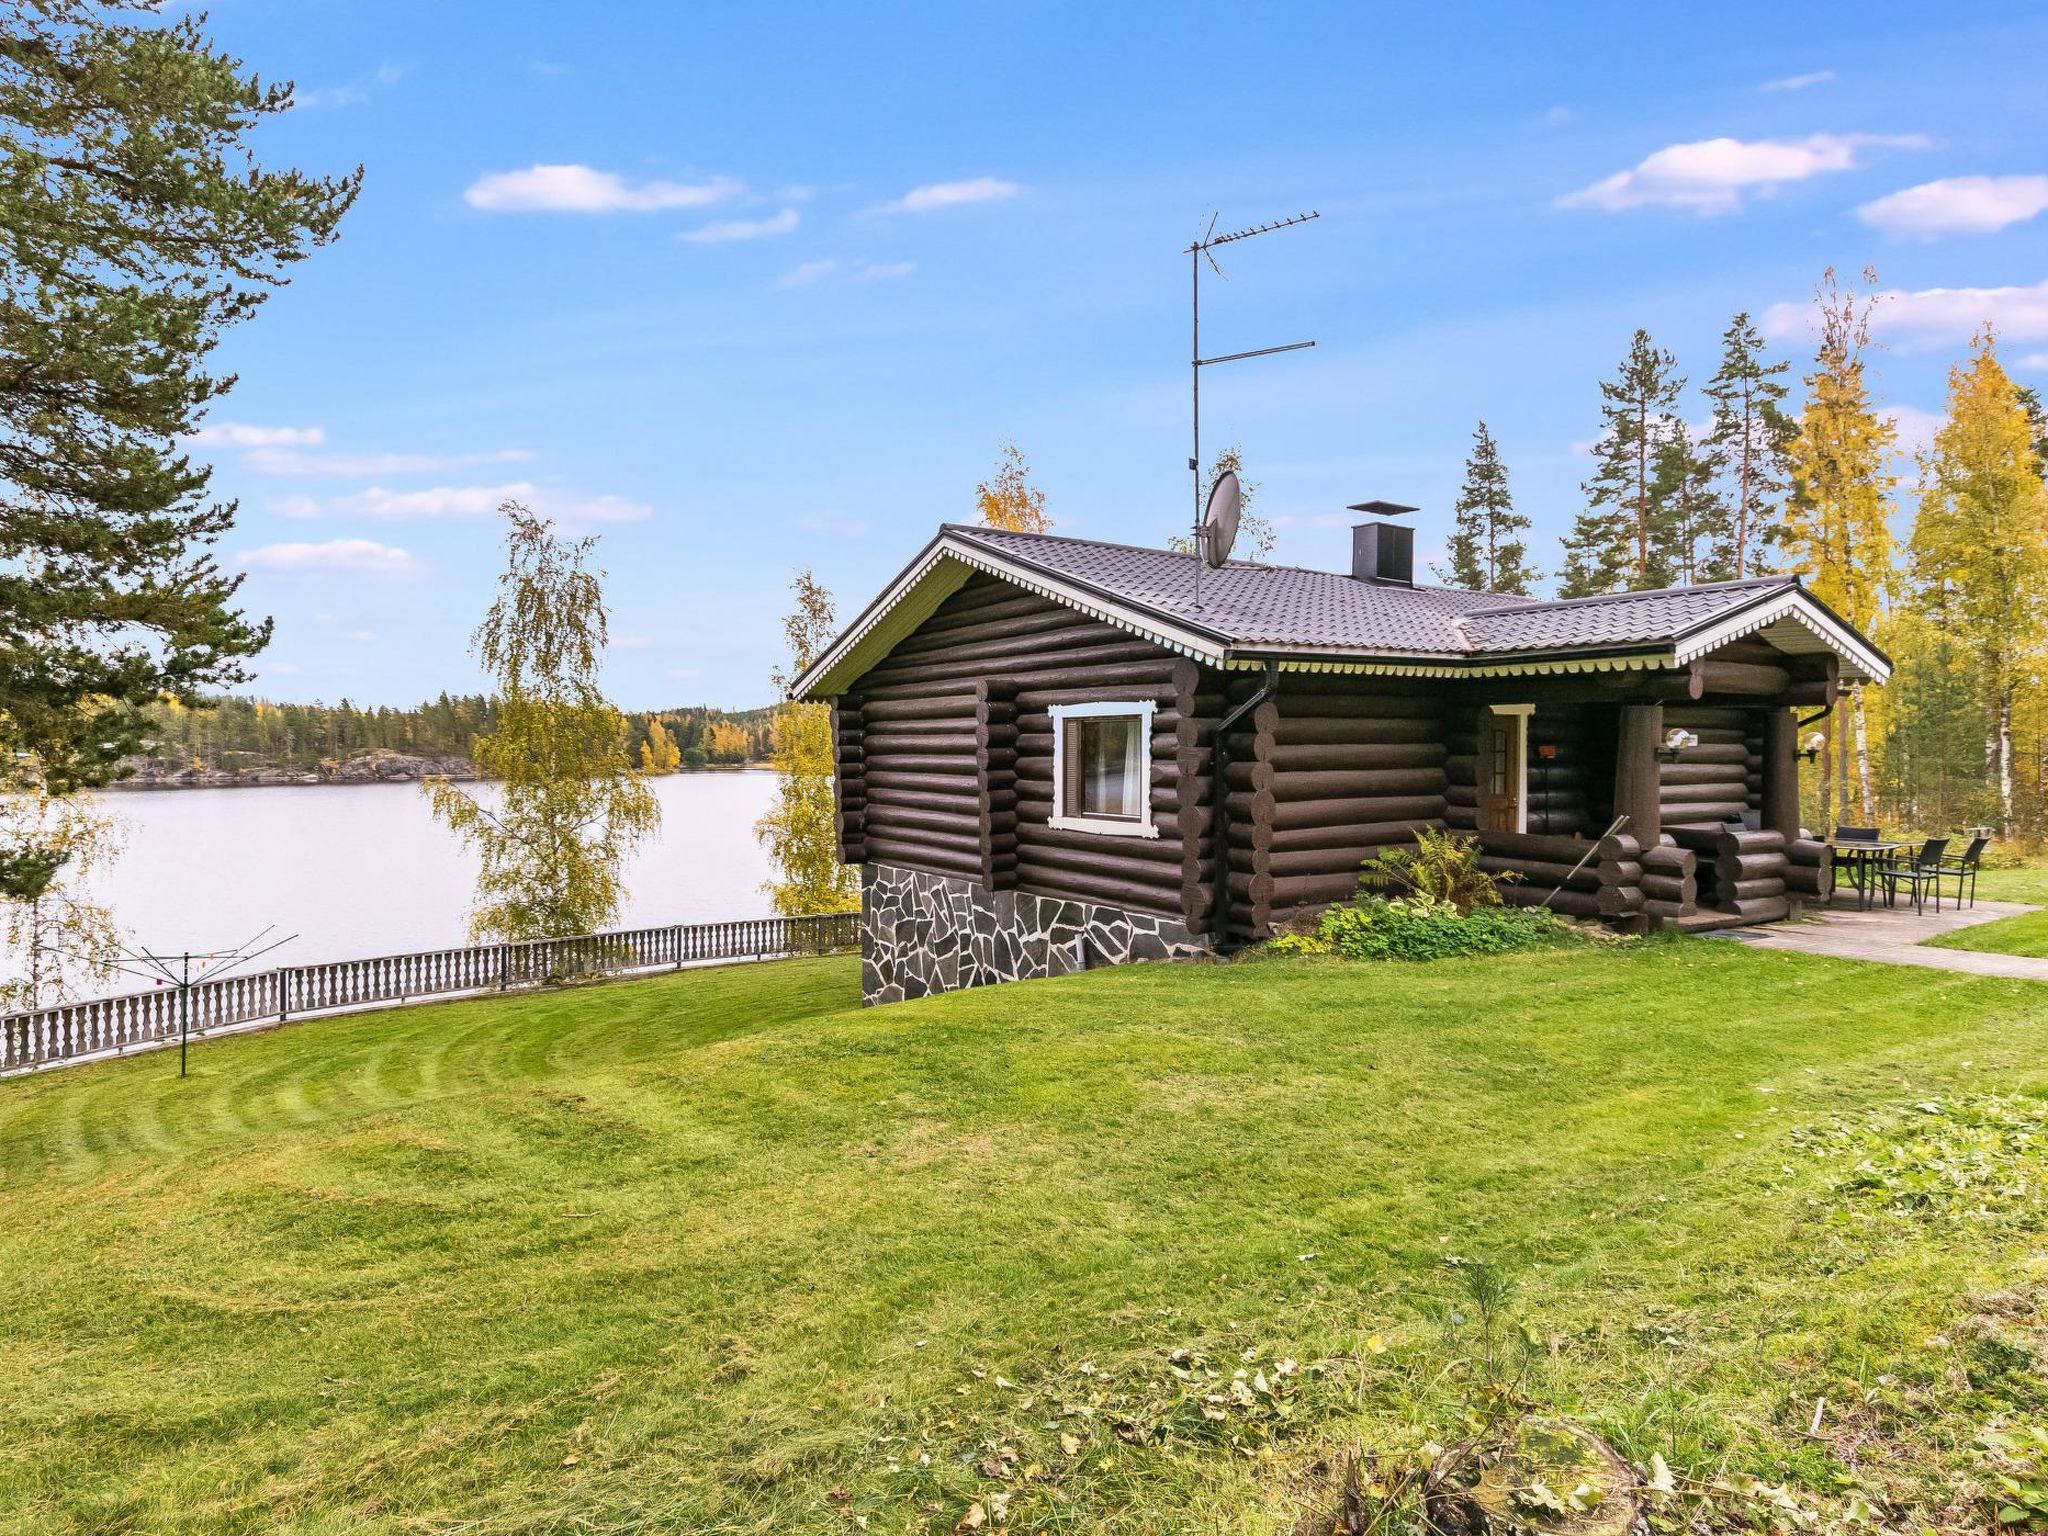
(717, 1252)
(2026, 934)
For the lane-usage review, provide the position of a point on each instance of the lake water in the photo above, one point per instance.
(361, 870)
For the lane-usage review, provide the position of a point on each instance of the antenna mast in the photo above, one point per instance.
(1198, 253)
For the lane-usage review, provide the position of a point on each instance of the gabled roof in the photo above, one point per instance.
(1250, 613)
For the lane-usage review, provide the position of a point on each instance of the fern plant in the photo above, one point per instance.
(1442, 867)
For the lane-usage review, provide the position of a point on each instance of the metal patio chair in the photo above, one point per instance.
(1923, 873)
(1964, 869)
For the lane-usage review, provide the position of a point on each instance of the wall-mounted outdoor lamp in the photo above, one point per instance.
(1811, 751)
(1676, 740)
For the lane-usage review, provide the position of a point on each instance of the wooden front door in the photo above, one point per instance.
(1503, 768)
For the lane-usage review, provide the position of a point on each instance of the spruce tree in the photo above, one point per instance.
(138, 227)
(1752, 435)
(1621, 541)
(1697, 522)
(1487, 552)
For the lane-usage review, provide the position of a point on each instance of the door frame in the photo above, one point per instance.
(1516, 718)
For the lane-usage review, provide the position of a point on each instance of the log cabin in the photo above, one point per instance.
(1053, 754)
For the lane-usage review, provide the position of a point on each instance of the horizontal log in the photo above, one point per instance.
(1669, 888)
(1528, 845)
(1541, 873)
(1665, 859)
(1745, 841)
(1293, 705)
(1618, 900)
(1619, 871)
(925, 856)
(1709, 717)
(1764, 865)
(956, 802)
(949, 706)
(1287, 731)
(1060, 845)
(1810, 880)
(1461, 818)
(1689, 771)
(1761, 909)
(1353, 756)
(1360, 784)
(1702, 794)
(1107, 890)
(1310, 813)
(1701, 816)
(1740, 677)
(1348, 834)
(1620, 845)
(1048, 621)
(1130, 685)
(1299, 890)
(1727, 892)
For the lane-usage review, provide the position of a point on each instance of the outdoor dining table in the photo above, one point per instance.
(1864, 859)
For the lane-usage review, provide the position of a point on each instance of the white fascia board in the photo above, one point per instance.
(914, 595)
(1797, 604)
(1394, 667)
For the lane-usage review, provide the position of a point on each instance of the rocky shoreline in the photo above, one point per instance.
(366, 768)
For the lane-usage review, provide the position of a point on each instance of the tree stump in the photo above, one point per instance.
(1542, 1477)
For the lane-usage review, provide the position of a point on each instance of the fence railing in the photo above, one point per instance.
(72, 1030)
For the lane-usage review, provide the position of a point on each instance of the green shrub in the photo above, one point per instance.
(1441, 867)
(1418, 928)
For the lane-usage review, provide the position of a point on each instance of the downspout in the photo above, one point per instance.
(1219, 911)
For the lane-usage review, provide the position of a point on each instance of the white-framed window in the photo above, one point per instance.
(1102, 768)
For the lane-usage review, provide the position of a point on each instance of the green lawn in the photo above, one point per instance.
(2026, 934)
(719, 1252)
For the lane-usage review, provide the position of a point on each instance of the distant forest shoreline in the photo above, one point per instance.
(235, 742)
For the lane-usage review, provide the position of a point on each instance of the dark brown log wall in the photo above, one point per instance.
(1721, 778)
(952, 734)
(1322, 777)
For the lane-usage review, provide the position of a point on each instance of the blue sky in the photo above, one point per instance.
(746, 288)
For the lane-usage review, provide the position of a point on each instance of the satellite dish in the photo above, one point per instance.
(1219, 519)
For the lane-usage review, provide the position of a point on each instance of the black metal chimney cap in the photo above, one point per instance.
(1381, 508)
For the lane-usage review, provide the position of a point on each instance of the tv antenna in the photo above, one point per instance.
(1203, 250)
(177, 971)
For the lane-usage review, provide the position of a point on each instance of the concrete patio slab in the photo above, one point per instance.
(1897, 936)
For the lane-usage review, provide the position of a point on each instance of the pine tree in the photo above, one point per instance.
(1834, 530)
(1620, 542)
(1696, 521)
(1487, 552)
(1008, 500)
(1752, 436)
(139, 227)
(1982, 531)
(800, 830)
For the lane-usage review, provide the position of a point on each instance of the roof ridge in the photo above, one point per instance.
(1789, 579)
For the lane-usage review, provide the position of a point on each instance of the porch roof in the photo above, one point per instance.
(1250, 613)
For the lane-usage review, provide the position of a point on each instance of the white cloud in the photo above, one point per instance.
(951, 194)
(631, 642)
(2034, 360)
(1915, 427)
(805, 273)
(685, 672)
(883, 271)
(458, 501)
(1936, 317)
(1711, 176)
(1557, 116)
(349, 466)
(834, 522)
(727, 230)
(1798, 82)
(1958, 205)
(353, 93)
(336, 557)
(581, 189)
(242, 434)
(1924, 318)
(296, 506)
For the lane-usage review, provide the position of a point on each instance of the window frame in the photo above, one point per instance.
(1142, 825)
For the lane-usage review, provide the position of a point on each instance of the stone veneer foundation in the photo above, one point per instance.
(922, 933)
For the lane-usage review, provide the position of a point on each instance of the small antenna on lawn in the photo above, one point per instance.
(1198, 253)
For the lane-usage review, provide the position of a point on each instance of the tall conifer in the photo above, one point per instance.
(1620, 542)
(1752, 435)
(1487, 552)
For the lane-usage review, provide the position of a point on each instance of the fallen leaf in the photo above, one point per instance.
(571, 1459)
(1071, 1444)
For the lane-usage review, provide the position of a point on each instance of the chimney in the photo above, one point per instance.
(1382, 553)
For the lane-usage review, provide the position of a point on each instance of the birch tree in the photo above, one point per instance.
(1008, 500)
(567, 806)
(800, 830)
(1982, 534)
(1834, 531)
(57, 937)
(1255, 535)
